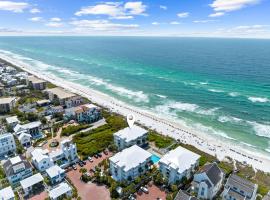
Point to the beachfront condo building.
(178, 164)
(7, 104)
(36, 83)
(130, 136)
(17, 169)
(129, 163)
(7, 144)
(208, 181)
(239, 188)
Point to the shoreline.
(202, 141)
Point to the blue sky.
(206, 18)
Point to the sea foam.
(258, 99)
(262, 130)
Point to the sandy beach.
(171, 128)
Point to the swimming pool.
(155, 158)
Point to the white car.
(145, 190)
(90, 159)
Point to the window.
(202, 192)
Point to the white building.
(17, 169)
(41, 160)
(36, 83)
(12, 121)
(7, 144)
(25, 139)
(208, 181)
(178, 163)
(62, 190)
(7, 104)
(129, 163)
(28, 183)
(56, 174)
(32, 128)
(130, 136)
(7, 194)
(239, 188)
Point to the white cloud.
(115, 10)
(203, 21)
(101, 25)
(16, 7)
(35, 10)
(174, 23)
(231, 5)
(217, 14)
(183, 14)
(35, 19)
(163, 7)
(55, 19)
(54, 24)
(155, 23)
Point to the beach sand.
(204, 142)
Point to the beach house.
(56, 174)
(36, 83)
(12, 121)
(130, 136)
(178, 164)
(32, 128)
(7, 194)
(17, 169)
(61, 191)
(239, 188)
(7, 144)
(129, 163)
(25, 139)
(32, 183)
(84, 113)
(208, 181)
(7, 104)
(181, 195)
(41, 159)
(63, 97)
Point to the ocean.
(220, 87)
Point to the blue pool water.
(155, 158)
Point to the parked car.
(145, 190)
(81, 164)
(90, 159)
(131, 197)
(84, 162)
(74, 167)
(92, 170)
(99, 155)
(96, 156)
(106, 152)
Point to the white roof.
(90, 106)
(31, 125)
(61, 189)
(38, 155)
(54, 171)
(32, 180)
(23, 134)
(130, 157)
(60, 93)
(6, 100)
(12, 119)
(6, 193)
(5, 135)
(128, 134)
(180, 159)
(15, 160)
(56, 153)
(34, 79)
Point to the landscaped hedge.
(160, 141)
(69, 130)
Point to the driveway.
(154, 193)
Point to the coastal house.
(7, 144)
(25, 139)
(7, 104)
(208, 181)
(52, 110)
(56, 174)
(61, 191)
(63, 97)
(65, 155)
(32, 128)
(7, 194)
(41, 159)
(36, 83)
(129, 163)
(32, 183)
(43, 102)
(17, 169)
(178, 164)
(12, 121)
(130, 136)
(239, 188)
(181, 195)
(84, 113)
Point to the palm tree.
(83, 170)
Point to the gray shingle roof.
(241, 184)
(213, 172)
(181, 195)
(8, 166)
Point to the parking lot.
(89, 190)
(42, 195)
(154, 193)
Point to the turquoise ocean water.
(218, 86)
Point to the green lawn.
(160, 141)
(69, 130)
